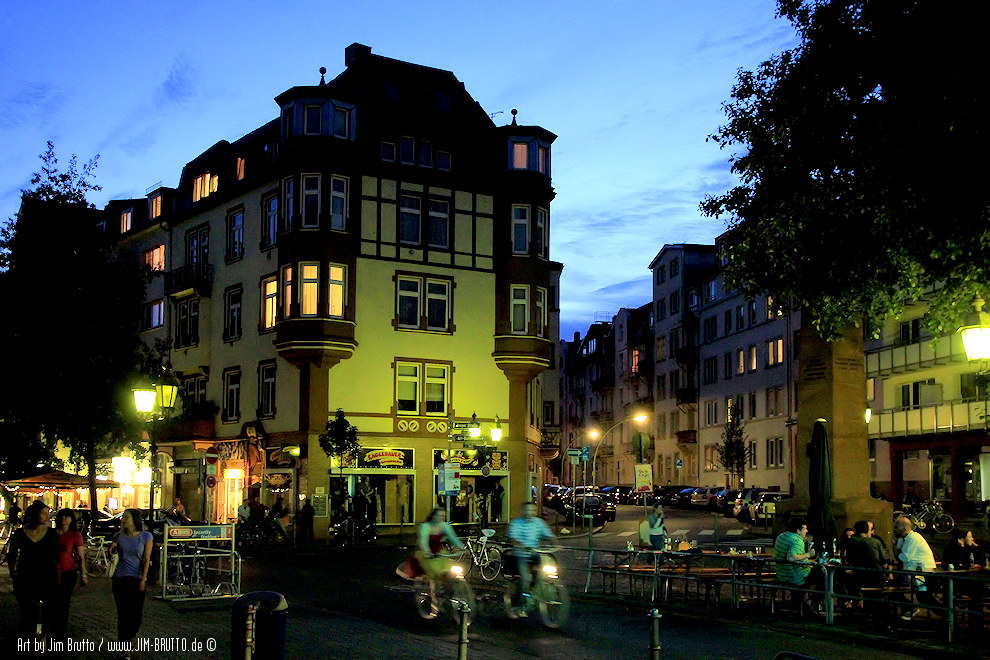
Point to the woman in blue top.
(130, 580)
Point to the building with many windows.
(380, 247)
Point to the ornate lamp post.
(145, 400)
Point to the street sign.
(211, 469)
(212, 455)
(465, 425)
(644, 478)
(211, 481)
(574, 452)
(181, 469)
(585, 454)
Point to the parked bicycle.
(346, 528)
(486, 558)
(187, 574)
(446, 594)
(925, 513)
(97, 558)
(547, 591)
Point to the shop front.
(380, 483)
(484, 489)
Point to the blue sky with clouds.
(631, 88)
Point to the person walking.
(130, 581)
(306, 515)
(658, 533)
(71, 563)
(497, 493)
(13, 519)
(33, 561)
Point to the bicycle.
(547, 592)
(97, 559)
(929, 512)
(187, 575)
(447, 594)
(487, 558)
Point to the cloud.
(178, 87)
(31, 105)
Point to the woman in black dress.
(33, 561)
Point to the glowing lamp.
(976, 332)
(142, 476)
(640, 418)
(496, 433)
(166, 395)
(144, 401)
(868, 415)
(234, 473)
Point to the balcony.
(900, 358)
(686, 354)
(946, 417)
(686, 395)
(687, 437)
(186, 280)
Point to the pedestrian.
(13, 518)
(658, 533)
(306, 515)
(33, 561)
(497, 495)
(130, 581)
(71, 563)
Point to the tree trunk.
(91, 476)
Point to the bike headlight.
(550, 570)
(456, 570)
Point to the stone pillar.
(519, 447)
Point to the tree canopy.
(862, 163)
(339, 440)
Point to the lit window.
(311, 200)
(154, 206)
(409, 219)
(539, 301)
(337, 291)
(438, 224)
(269, 304)
(541, 232)
(205, 185)
(752, 358)
(125, 221)
(240, 169)
(341, 122)
(154, 315)
(232, 314)
(309, 282)
(235, 235)
(520, 309)
(544, 160)
(289, 195)
(338, 202)
(775, 351)
(270, 226)
(740, 361)
(266, 390)
(520, 155)
(231, 395)
(286, 291)
(520, 229)
(407, 388)
(154, 259)
(311, 119)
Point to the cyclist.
(432, 534)
(526, 532)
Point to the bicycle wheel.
(459, 591)
(943, 523)
(490, 564)
(96, 564)
(555, 604)
(423, 599)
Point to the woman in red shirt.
(71, 560)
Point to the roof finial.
(323, 72)
(514, 113)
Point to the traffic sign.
(211, 481)
(574, 452)
(585, 454)
(212, 455)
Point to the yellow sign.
(644, 478)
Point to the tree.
(339, 440)
(72, 339)
(733, 454)
(863, 172)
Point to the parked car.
(726, 501)
(705, 496)
(645, 498)
(592, 505)
(747, 497)
(552, 496)
(108, 527)
(757, 510)
(667, 495)
(622, 494)
(683, 499)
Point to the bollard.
(462, 637)
(249, 633)
(655, 634)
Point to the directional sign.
(574, 451)
(465, 425)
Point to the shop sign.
(472, 459)
(200, 532)
(276, 457)
(396, 459)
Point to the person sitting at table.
(914, 553)
(794, 563)
(865, 551)
(962, 552)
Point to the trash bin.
(269, 625)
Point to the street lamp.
(144, 402)
(976, 342)
(640, 418)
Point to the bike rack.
(213, 545)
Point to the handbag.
(114, 560)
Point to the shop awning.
(57, 480)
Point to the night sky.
(632, 89)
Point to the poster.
(644, 478)
(320, 503)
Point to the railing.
(196, 277)
(685, 395)
(687, 437)
(946, 417)
(913, 356)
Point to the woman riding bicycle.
(432, 534)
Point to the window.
(443, 160)
(520, 229)
(289, 195)
(751, 311)
(775, 351)
(711, 458)
(424, 153)
(675, 267)
(409, 293)
(775, 401)
(770, 311)
(194, 388)
(410, 310)
(407, 149)
(266, 389)
(288, 124)
(919, 393)
(231, 394)
(286, 291)
(752, 405)
(338, 202)
(740, 362)
(661, 348)
(709, 291)
(730, 411)
(235, 235)
(540, 303)
(775, 452)
(542, 241)
(154, 206)
(125, 220)
(662, 386)
(543, 160)
(409, 219)
(311, 120)
(439, 224)
(910, 331)
(437, 305)
(198, 248)
(187, 323)
(692, 299)
(739, 317)
(710, 370)
(240, 169)
(751, 451)
(388, 151)
(337, 289)
(309, 284)
(710, 328)
(752, 358)
(727, 321)
(269, 303)
(520, 155)
(407, 388)
(341, 122)
(727, 371)
(661, 309)
(154, 259)
(154, 315)
(232, 313)
(270, 223)
(871, 387)
(520, 309)
(675, 302)
(311, 200)
(204, 185)
(435, 389)
(711, 412)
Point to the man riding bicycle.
(526, 533)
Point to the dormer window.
(530, 154)
(205, 185)
(311, 124)
(520, 155)
(341, 122)
(154, 206)
(125, 221)
(240, 168)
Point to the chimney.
(355, 51)
(577, 337)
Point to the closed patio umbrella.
(820, 521)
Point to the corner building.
(382, 248)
